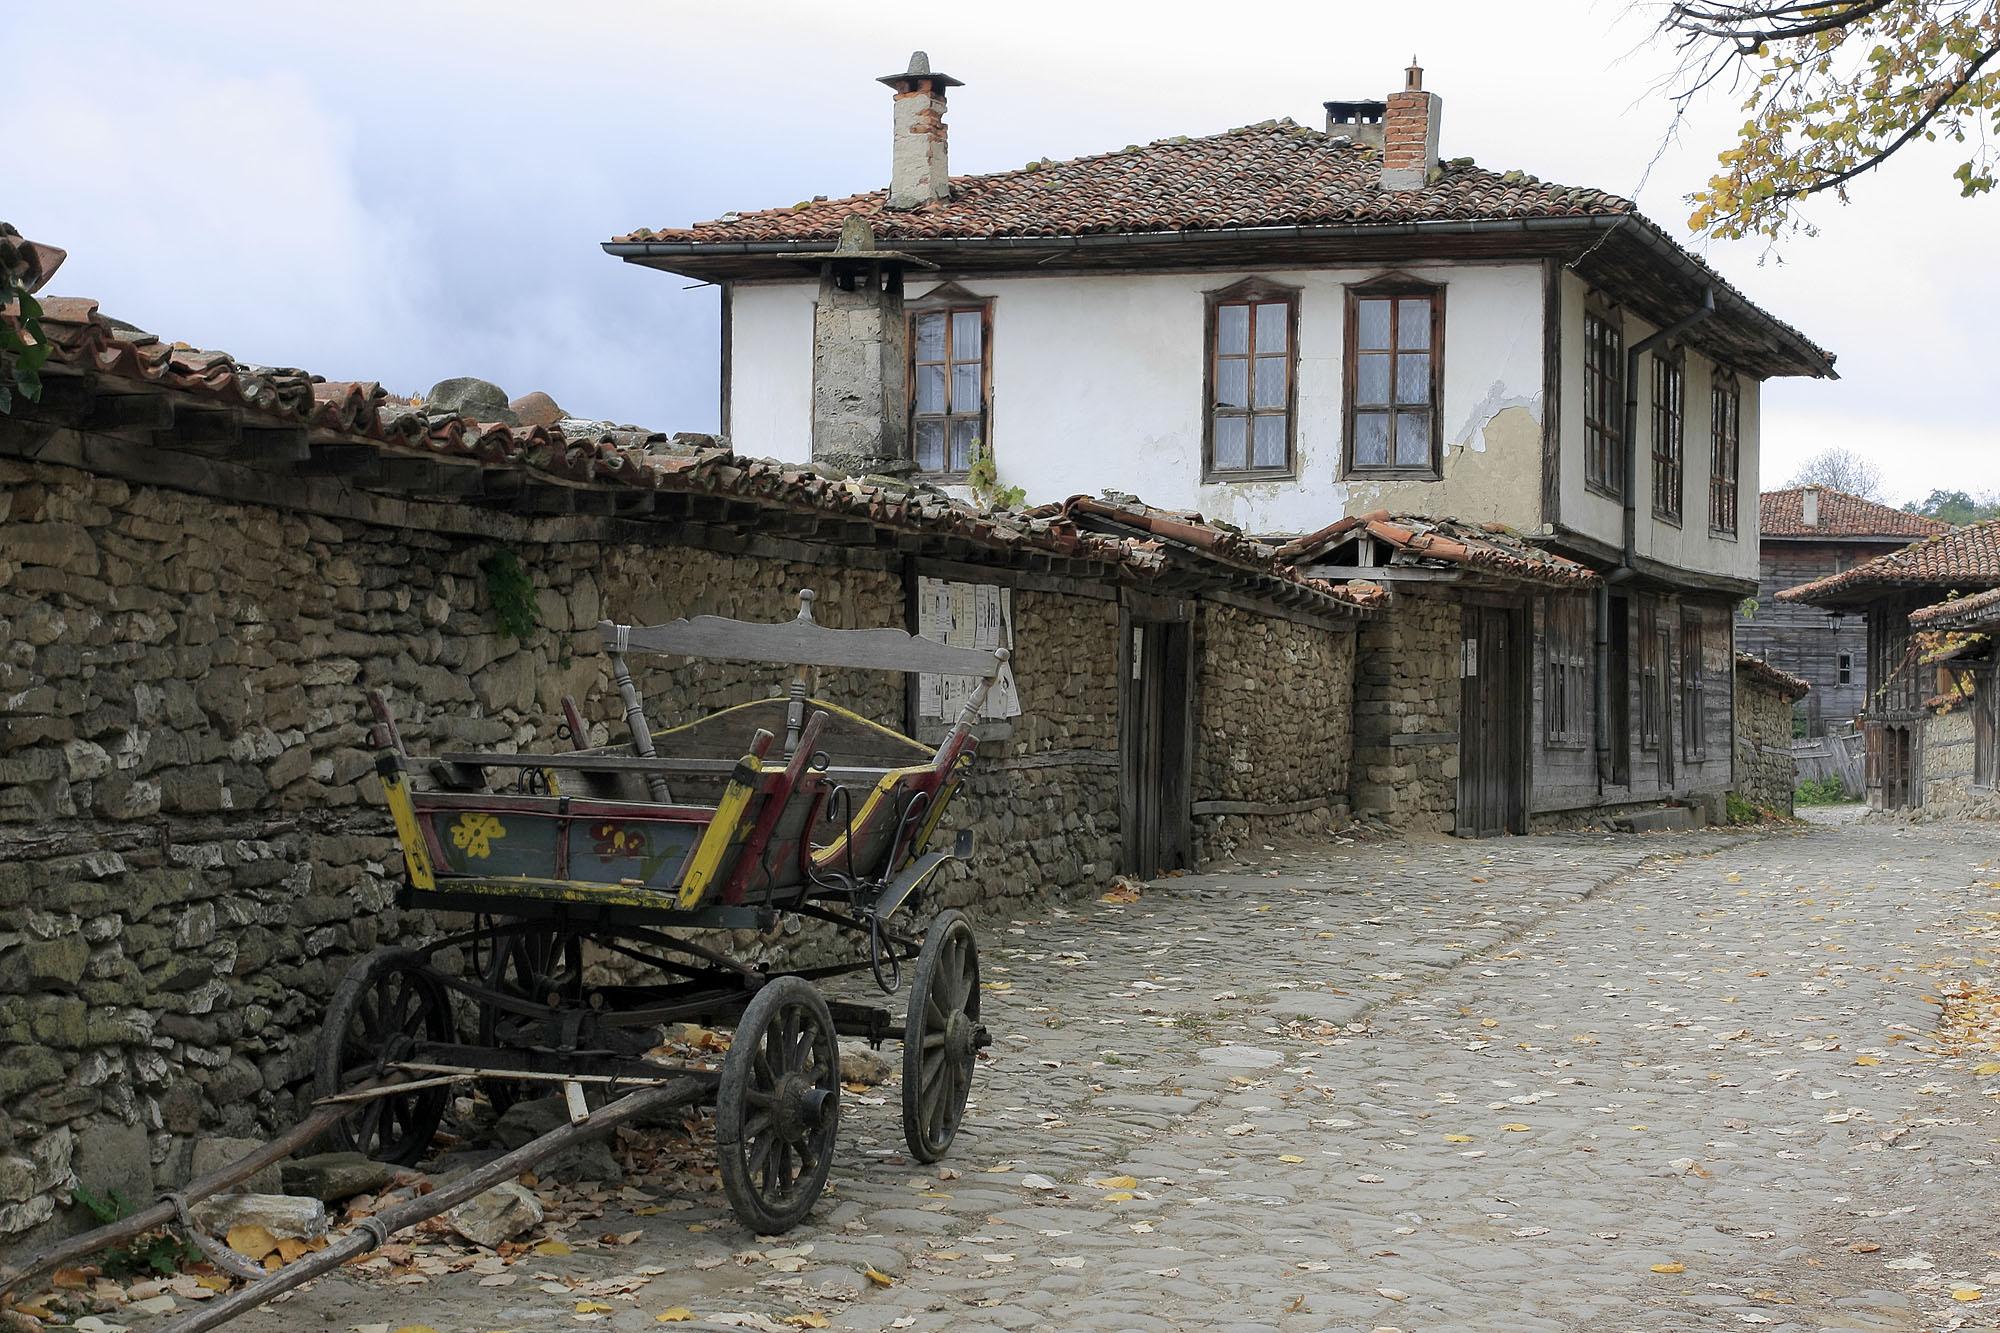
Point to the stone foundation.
(1764, 775)
(1406, 686)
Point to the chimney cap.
(1356, 111)
(1413, 77)
(919, 72)
(857, 247)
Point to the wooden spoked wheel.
(941, 1036)
(778, 1106)
(539, 964)
(386, 1004)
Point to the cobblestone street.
(1554, 1083)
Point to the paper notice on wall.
(965, 615)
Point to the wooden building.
(1807, 533)
(1904, 670)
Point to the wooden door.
(1618, 691)
(1492, 706)
(1156, 719)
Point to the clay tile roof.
(1782, 514)
(1274, 174)
(1784, 682)
(1959, 559)
(1981, 611)
(1418, 539)
(601, 454)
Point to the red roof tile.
(1274, 174)
(1792, 687)
(1961, 559)
(598, 454)
(1782, 514)
(1419, 539)
(1981, 611)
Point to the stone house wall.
(1406, 685)
(1763, 743)
(1948, 768)
(192, 846)
(1274, 741)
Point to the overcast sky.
(409, 191)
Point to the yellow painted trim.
(396, 787)
(946, 790)
(724, 831)
(884, 790)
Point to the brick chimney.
(919, 170)
(1410, 133)
(1809, 507)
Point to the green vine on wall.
(984, 479)
(512, 593)
(23, 348)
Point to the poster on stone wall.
(965, 615)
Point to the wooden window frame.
(1392, 287)
(1250, 292)
(949, 300)
(1669, 435)
(1725, 444)
(1566, 672)
(1604, 400)
(1652, 678)
(1843, 668)
(1694, 686)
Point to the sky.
(411, 191)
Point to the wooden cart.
(783, 808)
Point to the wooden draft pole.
(617, 640)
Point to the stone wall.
(1763, 743)
(1948, 752)
(1274, 741)
(192, 848)
(1406, 685)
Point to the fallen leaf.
(1116, 1183)
(679, 1314)
(1966, 1293)
(552, 1249)
(1670, 1268)
(1516, 1128)
(806, 1320)
(880, 1279)
(592, 1307)
(1867, 1060)
(1290, 1157)
(252, 1242)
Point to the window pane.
(1232, 329)
(930, 336)
(965, 335)
(1371, 439)
(930, 389)
(1371, 378)
(930, 446)
(1273, 317)
(964, 431)
(964, 387)
(1232, 381)
(1270, 386)
(1413, 378)
(1413, 323)
(1371, 324)
(1268, 440)
(1229, 443)
(1413, 439)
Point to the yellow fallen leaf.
(1670, 1268)
(592, 1307)
(650, 1210)
(1290, 1157)
(1966, 1293)
(1516, 1128)
(806, 1320)
(1489, 1022)
(1118, 1196)
(553, 1249)
(679, 1314)
(416, 1328)
(1458, 1138)
(213, 1281)
(1116, 1183)
(253, 1242)
(1866, 1060)
(880, 1279)
(1990, 1067)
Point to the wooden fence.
(1838, 755)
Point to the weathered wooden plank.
(800, 642)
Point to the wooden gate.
(1893, 774)
(1493, 706)
(1156, 738)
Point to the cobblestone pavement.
(1682, 1082)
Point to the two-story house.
(1807, 533)
(1278, 326)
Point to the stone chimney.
(860, 357)
(1410, 133)
(1360, 121)
(1809, 507)
(919, 170)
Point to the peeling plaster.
(1472, 434)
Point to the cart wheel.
(533, 964)
(778, 1106)
(941, 1036)
(385, 1005)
